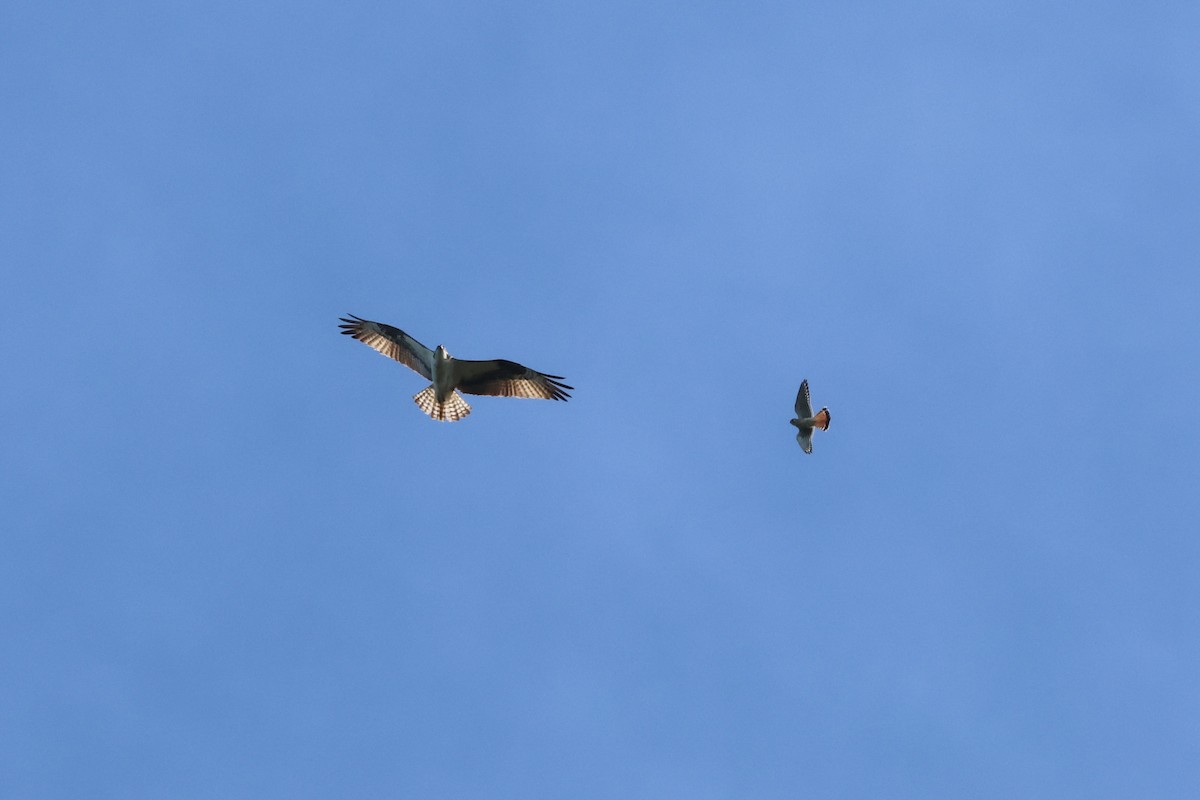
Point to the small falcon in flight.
(439, 399)
(806, 420)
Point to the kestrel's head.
(441, 354)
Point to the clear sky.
(239, 562)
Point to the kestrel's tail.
(821, 419)
(452, 410)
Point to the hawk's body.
(440, 399)
(806, 421)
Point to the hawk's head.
(441, 354)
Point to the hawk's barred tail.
(821, 419)
(454, 409)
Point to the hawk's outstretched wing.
(392, 342)
(803, 404)
(508, 379)
(804, 437)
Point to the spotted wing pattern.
(803, 403)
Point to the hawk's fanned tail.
(821, 419)
(454, 409)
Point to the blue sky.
(239, 562)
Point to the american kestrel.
(805, 420)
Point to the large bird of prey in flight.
(440, 399)
(806, 420)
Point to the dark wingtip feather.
(557, 388)
(350, 326)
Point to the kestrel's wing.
(508, 379)
(392, 342)
(804, 437)
(803, 404)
